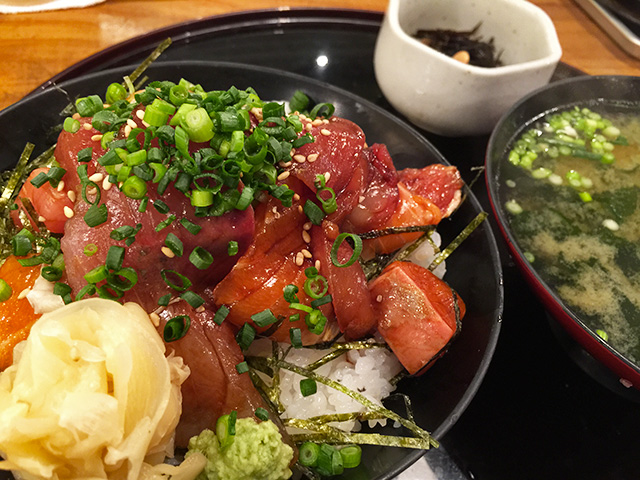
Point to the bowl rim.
(551, 35)
(553, 304)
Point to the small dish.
(446, 96)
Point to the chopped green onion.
(21, 245)
(295, 335)
(159, 171)
(221, 314)
(143, 205)
(39, 180)
(290, 293)
(71, 125)
(308, 454)
(96, 215)
(134, 187)
(178, 95)
(64, 291)
(308, 386)
(329, 461)
(89, 106)
(232, 248)
(264, 318)
(299, 102)
(198, 125)
(357, 249)
(226, 429)
(242, 367)
(193, 299)
(165, 223)
(191, 227)
(167, 275)
(245, 336)
(123, 280)
(89, 289)
(115, 92)
(201, 258)
(329, 205)
(351, 455)
(136, 158)
(96, 274)
(115, 257)
(122, 232)
(176, 328)
(322, 110)
(174, 244)
(85, 155)
(316, 287)
(313, 212)
(90, 249)
(164, 300)
(201, 198)
(321, 301)
(5, 290)
(262, 414)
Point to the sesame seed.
(257, 112)
(68, 212)
(140, 114)
(167, 252)
(131, 123)
(87, 126)
(284, 175)
(76, 116)
(274, 209)
(60, 186)
(611, 224)
(299, 259)
(155, 319)
(302, 116)
(96, 177)
(306, 253)
(72, 195)
(24, 293)
(292, 152)
(146, 125)
(305, 236)
(92, 191)
(325, 132)
(127, 131)
(327, 176)
(308, 127)
(317, 264)
(42, 219)
(97, 137)
(312, 157)
(296, 197)
(200, 309)
(300, 209)
(361, 198)
(106, 184)
(379, 298)
(300, 158)
(316, 122)
(307, 226)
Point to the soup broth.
(571, 188)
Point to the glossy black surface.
(440, 396)
(537, 414)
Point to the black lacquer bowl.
(591, 92)
(441, 395)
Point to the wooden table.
(36, 46)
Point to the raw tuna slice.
(418, 314)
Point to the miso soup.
(571, 188)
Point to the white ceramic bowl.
(445, 96)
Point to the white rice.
(367, 371)
(425, 253)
